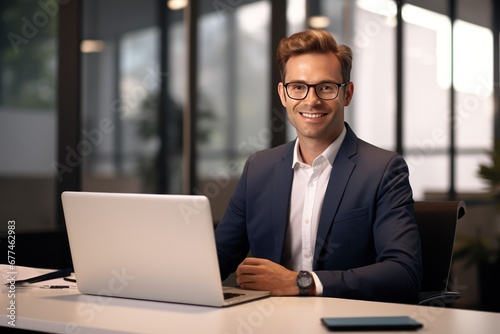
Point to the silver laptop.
(152, 247)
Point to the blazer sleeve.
(396, 273)
(256, 217)
(231, 233)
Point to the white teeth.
(313, 115)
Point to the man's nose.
(312, 95)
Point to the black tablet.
(396, 323)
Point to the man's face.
(303, 114)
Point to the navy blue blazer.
(368, 244)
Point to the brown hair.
(313, 41)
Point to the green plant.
(479, 249)
(484, 247)
(491, 172)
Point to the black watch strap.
(304, 282)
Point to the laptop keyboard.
(229, 295)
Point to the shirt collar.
(329, 154)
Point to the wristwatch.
(304, 282)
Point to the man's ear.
(349, 91)
(282, 94)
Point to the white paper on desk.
(7, 273)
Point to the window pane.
(372, 113)
(467, 168)
(120, 88)
(139, 80)
(295, 16)
(233, 100)
(473, 80)
(28, 122)
(428, 174)
(175, 76)
(427, 67)
(473, 75)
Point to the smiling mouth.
(315, 115)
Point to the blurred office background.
(171, 96)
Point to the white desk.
(67, 311)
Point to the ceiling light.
(177, 4)
(319, 22)
(92, 45)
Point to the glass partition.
(28, 119)
(120, 89)
(233, 96)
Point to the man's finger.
(254, 261)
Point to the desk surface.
(68, 311)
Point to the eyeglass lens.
(299, 91)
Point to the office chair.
(437, 221)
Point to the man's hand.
(261, 274)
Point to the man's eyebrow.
(319, 82)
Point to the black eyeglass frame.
(339, 86)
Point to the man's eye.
(297, 87)
(326, 88)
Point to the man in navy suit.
(327, 214)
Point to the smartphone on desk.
(394, 323)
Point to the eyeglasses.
(324, 90)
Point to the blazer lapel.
(342, 169)
(282, 188)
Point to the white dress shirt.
(308, 191)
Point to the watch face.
(304, 281)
